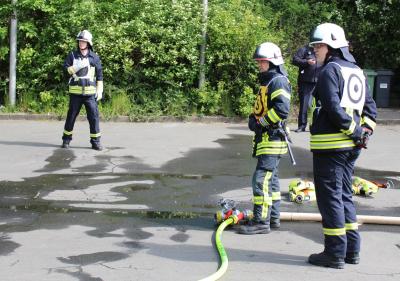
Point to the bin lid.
(369, 72)
(385, 72)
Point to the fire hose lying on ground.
(231, 215)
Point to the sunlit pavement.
(142, 209)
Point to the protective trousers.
(75, 104)
(305, 94)
(332, 176)
(266, 190)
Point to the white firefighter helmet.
(86, 36)
(269, 52)
(330, 34)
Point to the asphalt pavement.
(142, 209)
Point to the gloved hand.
(99, 90)
(362, 141)
(80, 63)
(252, 123)
(99, 95)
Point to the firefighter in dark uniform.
(85, 88)
(306, 81)
(343, 120)
(267, 120)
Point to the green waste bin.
(371, 74)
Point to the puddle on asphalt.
(181, 188)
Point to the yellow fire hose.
(285, 216)
(221, 250)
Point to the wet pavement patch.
(6, 245)
(133, 245)
(86, 259)
(180, 237)
(183, 188)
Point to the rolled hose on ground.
(221, 250)
(286, 216)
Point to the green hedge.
(150, 49)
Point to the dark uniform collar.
(267, 75)
(342, 54)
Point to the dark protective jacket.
(84, 81)
(272, 106)
(307, 73)
(343, 106)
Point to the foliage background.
(150, 49)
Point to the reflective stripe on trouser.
(332, 177)
(75, 104)
(266, 188)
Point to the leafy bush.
(150, 49)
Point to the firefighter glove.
(99, 90)
(253, 123)
(362, 141)
(80, 63)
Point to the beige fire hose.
(285, 216)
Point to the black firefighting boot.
(275, 223)
(256, 225)
(65, 144)
(326, 260)
(352, 258)
(97, 146)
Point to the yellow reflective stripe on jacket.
(351, 226)
(86, 90)
(272, 144)
(280, 92)
(334, 231)
(270, 147)
(68, 133)
(95, 135)
(368, 121)
(351, 129)
(332, 145)
(273, 116)
(276, 195)
(271, 151)
(329, 137)
(330, 141)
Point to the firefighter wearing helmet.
(85, 88)
(270, 110)
(343, 120)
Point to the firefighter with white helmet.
(270, 110)
(343, 120)
(85, 88)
